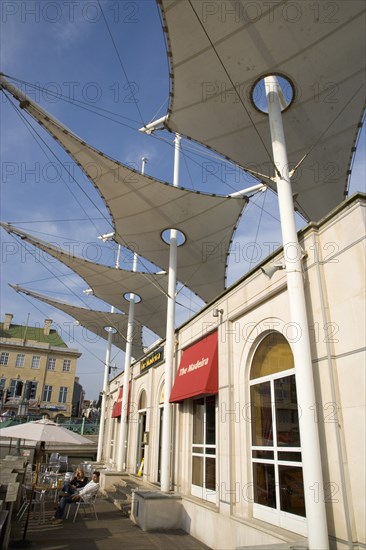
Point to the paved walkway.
(112, 531)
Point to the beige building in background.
(36, 356)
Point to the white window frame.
(66, 365)
(36, 362)
(19, 362)
(62, 394)
(51, 363)
(196, 490)
(47, 393)
(278, 517)
(4, 358)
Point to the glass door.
(204, 448)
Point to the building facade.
(77, 398)
(37, 369)
(236, 444)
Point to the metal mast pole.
(105, 380)
(169, 345)
(122, 450)
(310, 446)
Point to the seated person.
(85, 494)
(77, 482)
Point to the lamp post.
(111, 331)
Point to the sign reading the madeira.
(152, 360)
(194, 366)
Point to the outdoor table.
(51, 481)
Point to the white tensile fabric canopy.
(95, 321)
(111, 284)
(319, 47)
(44, 430)
(142, 208)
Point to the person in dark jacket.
(78, 482)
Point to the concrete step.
(120, 493)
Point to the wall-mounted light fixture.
(155, 125)
(216, 312)
(88, 291)
(107, 237)
(270, 270)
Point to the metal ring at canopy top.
(181, 237)
(280, 75)
(137, 297)
(110, 329)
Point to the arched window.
(142, 401)
(276, 453)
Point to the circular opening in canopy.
(129, 295)
(111, 329)
(258, 93)
(166, 236)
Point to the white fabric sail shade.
(319, 47)
(95, 321)
(113, 285)
(142, 208)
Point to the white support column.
(104, 396)
(169, 345)
(310, 446)
(106, 370)
(122, 448)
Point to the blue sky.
(65, 49)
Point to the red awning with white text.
(198, 370)
(117, 407)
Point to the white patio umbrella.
(40, 430)
(43, 430)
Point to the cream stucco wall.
(334, 275)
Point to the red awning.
(117, 407)
(198, 370)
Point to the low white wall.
(222, 532)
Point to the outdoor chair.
(84, 506)
(38, 501)
(50, 475)
(64, 463)
(54, 458)
(28, 475)
(51, 470)
(68, 476)
(88, 469)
